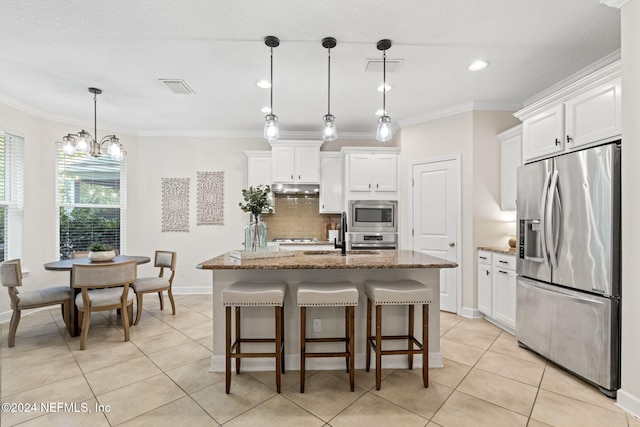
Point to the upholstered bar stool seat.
(398, 292)
(328, 294)
(253, 294)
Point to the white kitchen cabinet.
(484, 283)
(331, 173)
(510, 159)
(594, 115)
(295, 162)
(258, 168)
(543, 134)
(497, 288)
(373, 172)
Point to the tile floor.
(161, 378)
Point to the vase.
(255, 235)
(101, 256)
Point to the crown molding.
(614, 3)
(460, 108)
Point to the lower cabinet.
(497, 288)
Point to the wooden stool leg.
(425, 345)
(378, 346)
(367, 343)
(346, 336)
(411, 328)
(303, 338)
(351, 335)
(227, 354)
(238, 340)
(282, 317)
(278, 347)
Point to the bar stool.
(253, 294)
(398, 292)
(325, 294)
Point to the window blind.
(11, 196)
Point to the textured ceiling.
(52, 51)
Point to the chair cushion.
(317, 294)
(254, 293)
(44, 296)
(104, 297)
(397, 292)
(145, 284)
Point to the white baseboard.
(470, 312)
(193, 290)
(628, 402)
(292, 363)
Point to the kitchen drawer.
(504, 261)
(484, 257)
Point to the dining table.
(67, 265)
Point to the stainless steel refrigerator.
(568, 262)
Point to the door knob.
(452, 244)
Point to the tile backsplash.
(296, 216)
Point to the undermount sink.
(337, 253)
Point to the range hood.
(295, 188)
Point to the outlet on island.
(317, 325)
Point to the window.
(11, 195)
(91, 202)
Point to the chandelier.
(271, 131)
(329, 132)
(83, 142)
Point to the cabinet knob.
(557, 141)
(487, 272)
(569, 139)
(299, 177)
(377, 185)
(452, 244)
(369, 186)
(291, 176)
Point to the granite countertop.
(316, 243)
(331, 260)
(500, 250)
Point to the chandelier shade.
(83, 142)
(271, 131)
(329, 132)
(384, 134)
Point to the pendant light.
(383, 133)
(329, 132)
(83, 142)
(271, 132)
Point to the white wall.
(629, 395)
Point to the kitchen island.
(325, 266)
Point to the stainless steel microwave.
(373, 216)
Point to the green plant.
(257, 200)
(99, 247)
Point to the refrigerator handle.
(550, 233)
(543, 222)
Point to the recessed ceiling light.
(387, 88)
(263, 84)
(478, 65)
(266, 109)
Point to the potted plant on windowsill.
(101, 253)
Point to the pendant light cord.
(384, 82)
(95, 117)
(329, 84)
(271, 95)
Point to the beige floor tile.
(367, 380)
(34, 352)
(195, 376)
(33, 330)
(561, 382)
(181, 412)
(206, 342)
(182, 319)
(276, 412)
(535, 423)
(121, 374)
(407, 391)
(451, 375)
(481, 326)
(162, 341)
(246, 393)
(460, 353)
(138, 398)
(372, 410)
(150, 326)
(464, 410)
(174, 357)
(633, 421)
(268, 378)
(558, 410)
(448, 321)
(509, 347)
(82, 415)
(70, 390)
(511, 367)
(100, 356)
(16, 381)
(470, 337)
(199, 330)
(510, 394)
(325, 395)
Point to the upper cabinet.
(331, 182)
(510, 159)
(258, 168)
(586, 112)
(371, 173)
(295, 162)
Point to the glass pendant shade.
(329, 132)
(83, 141)
(383, 133)
(271, 131)
(68, 146)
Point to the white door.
(436, 220)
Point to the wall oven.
(373, 224)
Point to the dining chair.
(104, 287)
(144, 285)
(11, 276)
(79, 254)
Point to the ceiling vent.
(375, 65)
(177, 86)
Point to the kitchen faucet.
(343, 236)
